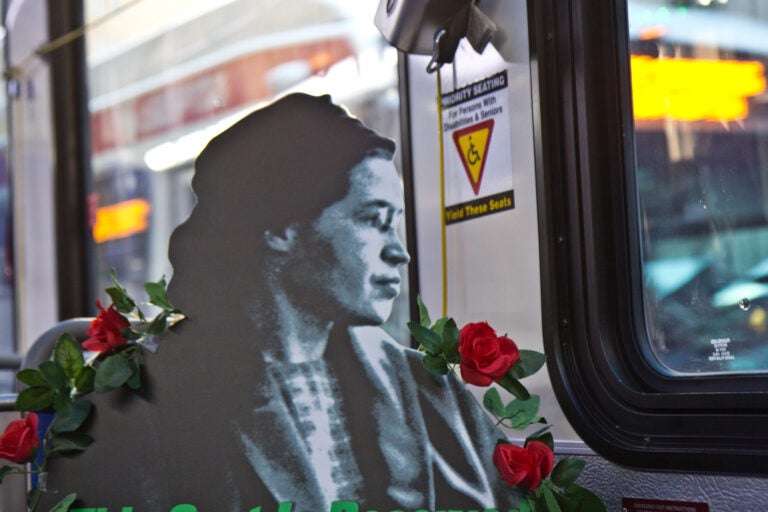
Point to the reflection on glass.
(701, 138)
(167, 75)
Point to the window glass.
(701, 137)
(7, 343)
(167, 75)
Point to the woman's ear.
(281, 240)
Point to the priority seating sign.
(478, 165)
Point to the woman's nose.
(395, 254)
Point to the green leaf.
(514, 386)
(450, 341)
(53, 374)
(84, 380)
(567, 504)
(68, 355)
(70, 418)
(112, 373)
(540, 502)
(134, 382)
(70, 442)
(123, 303)
(62, 400)
(521, 413)
(551, 501)
(435, 364)
(31, 377)
(157, 294)
(35, 398)
(567, 471)
(450, 333)
(453, 356)
(426, 338)
(63, 505)
(159, 324)
(440, 326)
(131, 334)
(588, 501)
(530, 362)
(530, 406)
(525, 506)
(4, 471)
(120, 298)
(492, 402)
(423, 313)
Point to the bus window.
(7, 343)
(699, 97)
(165, 76)
(654, 157)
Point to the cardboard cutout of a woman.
(280, 386)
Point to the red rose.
(543, 459)
(525, 467)
(19, 441)
(485, 357)
(106, 330)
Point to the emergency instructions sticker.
(720, 351)
(478, 161)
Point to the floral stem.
(34, 502)
(19, 472)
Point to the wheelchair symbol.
(473, 156)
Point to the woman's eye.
(381, 219)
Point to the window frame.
(623, 406)
(71, 132)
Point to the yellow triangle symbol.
(472, 144)
(472, 148)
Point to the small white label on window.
(721, 352)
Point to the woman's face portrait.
(347, 260)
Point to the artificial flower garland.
(116, 339)
(484, 358)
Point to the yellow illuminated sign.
(121, 220)
(694, 89)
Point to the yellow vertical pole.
(442, 194)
